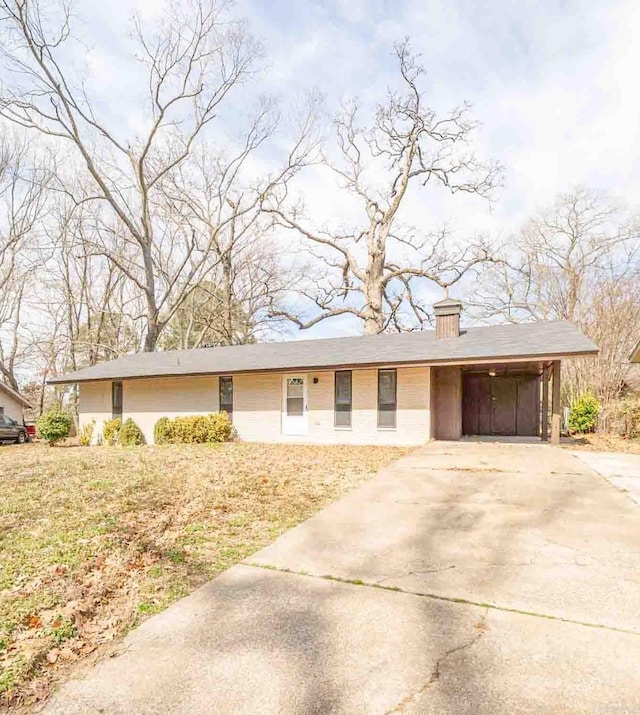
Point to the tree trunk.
(153, 333)
(228, 298)
(153, 324)
(373, 312)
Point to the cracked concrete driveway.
(466, 578)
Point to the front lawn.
(93, 540)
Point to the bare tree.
(88, 291)
(372, 267)
(577, 260)
(613, 323)
(23, 184)
(191, 61)
(247, 278)
(235, 306)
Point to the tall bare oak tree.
(370, 269)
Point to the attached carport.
(501, 386)
(506, 399)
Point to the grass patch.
(94, 540)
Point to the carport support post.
(555, 404)
(545, 404)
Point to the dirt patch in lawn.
(94, 540)
(603, 443)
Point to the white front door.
(295, 409)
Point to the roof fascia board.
(342, 366)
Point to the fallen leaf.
(34, 622)
(40, 689)
(68, 654)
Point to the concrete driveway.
(466, 578)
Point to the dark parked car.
(11, 431)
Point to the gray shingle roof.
(535, 340)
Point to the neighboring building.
(401, 388)
(12, 403)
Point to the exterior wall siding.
(257, 409)
(94, 404)
(146, 401)
(11, 408)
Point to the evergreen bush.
(86, 434)
(110, 430)
(162, 432)
(54, 425)
(194, 429)
(583, 414)
(130, 434)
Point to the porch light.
(492, 373)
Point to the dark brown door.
(504, 405)
(504, 398)
(477, 405)
(528, 405)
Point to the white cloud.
(555, 85)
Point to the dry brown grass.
(603, 443)
(93, 540)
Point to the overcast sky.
(553, 83)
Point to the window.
(342, 399)
(295, 397)
(116, 400)
(226, 396)
(1, 410)
(387, 403)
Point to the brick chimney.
(447, 318)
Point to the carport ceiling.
(503, 368)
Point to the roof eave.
(68, 380)
(16, 395)
(635, 354)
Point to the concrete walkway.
(622, 470)
(467, 578)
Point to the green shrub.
(130, 434)
(190, 430)
(194, 429)
(86, 434)
(162, 432)
(583, 414)
(110, 430)
(220, 427)
(54, 425)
